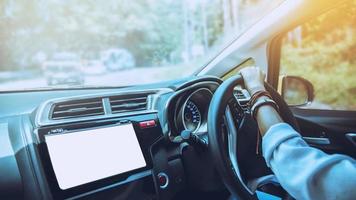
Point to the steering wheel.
(230, 130)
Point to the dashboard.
(88, 143)
(114, 143)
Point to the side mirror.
(297, 91)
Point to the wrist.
(257, 88)
(260, 102)
(259, 92)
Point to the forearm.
(304, 171)
(266, 117)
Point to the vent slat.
(81, 109)
(81, 115)
(127, 110)
(78, 104)
(129, 105)
(78, 108)
(113, 101)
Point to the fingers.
(253, 78)
(252, 71)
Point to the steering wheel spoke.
(232, 145)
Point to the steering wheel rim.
(219, 113)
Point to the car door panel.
(322, 125)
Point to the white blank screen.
(90, 155)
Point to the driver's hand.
(253, 78)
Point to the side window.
(323, 51)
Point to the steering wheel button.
(162, 180)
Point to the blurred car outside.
(117, 59)
(64, 68)
(93, 67)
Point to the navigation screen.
(86, 156)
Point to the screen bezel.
(57, 192)
(113, 135)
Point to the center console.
(82, 157)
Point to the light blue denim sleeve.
(306, 172)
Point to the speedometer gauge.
(191, 116)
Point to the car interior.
(191, 137)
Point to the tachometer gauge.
(191, 116)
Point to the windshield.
(77, 43)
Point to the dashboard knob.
(162, 180)
(185, 134)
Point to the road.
(120, 78)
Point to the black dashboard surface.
(23, 176)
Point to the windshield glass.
(71, 43)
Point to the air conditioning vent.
(243, 98)
(128, 103)
(78, 108)
(239, 95)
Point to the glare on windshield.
(62, 43)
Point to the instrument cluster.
(190, 112)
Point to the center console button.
(147, 124)
(162, 180)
